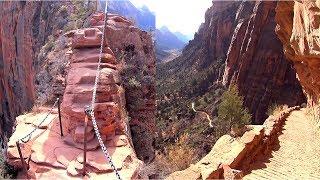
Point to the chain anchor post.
(23, 163)
(86, 112)
(59, 112)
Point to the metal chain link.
(29, 135)
(91, 111)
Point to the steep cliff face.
(134, 49)
(24, 27)
(256, 63)
(298, 29)
(238, 39)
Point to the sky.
(184, 16)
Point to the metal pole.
(86, 111)
(61, 132)
(22, 160)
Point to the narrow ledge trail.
(296, 155)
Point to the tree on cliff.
(231, 113)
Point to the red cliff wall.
(24, 27)
(256, 64)
(298, 29)
(240, 38)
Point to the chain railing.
(27, 138)
(90, 111)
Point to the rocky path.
(295, 156)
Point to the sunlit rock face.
(240, 37)
(298, 29)
(254, 59)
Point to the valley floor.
(295, 156)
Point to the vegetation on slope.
(231, 113)
(6, 171)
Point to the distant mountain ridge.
(142, 17)
(182, 37)
(167, 43)
(166, 40)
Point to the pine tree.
(231, 113)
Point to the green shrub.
(6, 171)
(231, 113)
(274, 109)
(76, 19)
(63, 11)
(50, 43)
(133, 83)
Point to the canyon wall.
(298, 29)
(24, 28)
(256, 64)
(238, 43)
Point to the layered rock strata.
(298, 29)
(256, 64)
(237, 43)
(134, 50)
(50, 155)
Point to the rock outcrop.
(236, 153)
(49, 154)
(298, 29)
(24, 28)
(134, 50)
(256, 64)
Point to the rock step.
(86, 37)
(86, 75)
(109, 89)
(84, 99)
(102, 110)
(92, 56)
(93, 65)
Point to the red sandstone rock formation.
(135, 52)
(52, 155)
(298, 30)
(110, 98)
(256, 63)
(240, 35)
(24, 28)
